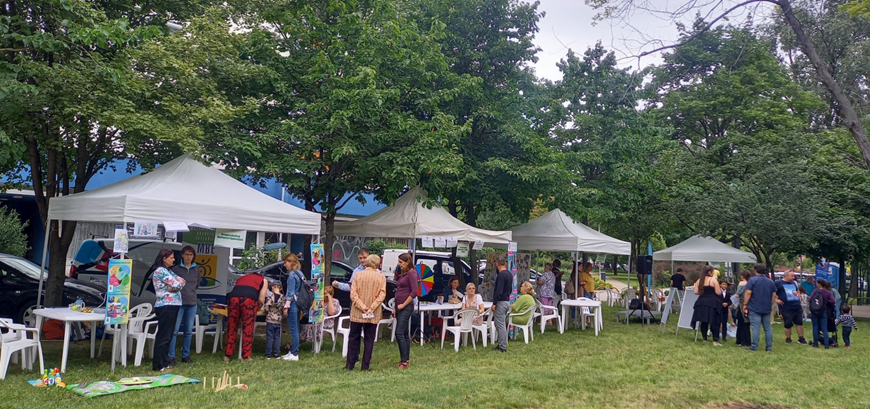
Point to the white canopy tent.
(184, 190)
(409, 219)
(556, 231)
(702, 248)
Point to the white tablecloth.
(425, 307)
(594, 306)
(68, 316)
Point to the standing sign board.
(315, 313)
(512, 267)
(213, 263)
(118, 291)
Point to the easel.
(667, 312)
(686, 319)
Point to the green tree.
(507, 163)
(83, 84)
(743, 169)
(609, 149)
(351, 103)
(12, 238)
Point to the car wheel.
(25, 314)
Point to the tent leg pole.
(44, 256)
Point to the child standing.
(805, 302)
(274, 308)
(845, 319)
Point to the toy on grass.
(224, 382)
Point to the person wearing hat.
(274, 309)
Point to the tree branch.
(707, 27)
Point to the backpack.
(304, 298)
(817, 303)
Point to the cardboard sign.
(462, 249)
(315, 313)
(234, 239)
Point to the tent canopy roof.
(409, 219)
(557, 231)
(702, 248)
(185, 190)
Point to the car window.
(26, 267)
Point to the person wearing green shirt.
(523, 304)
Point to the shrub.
(12, 238)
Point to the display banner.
(315, 313)
(118, 291)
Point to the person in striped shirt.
(848, 322)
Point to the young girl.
(274, 309)
(805, 302)
(845, 319)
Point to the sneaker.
(226, 358)
(166, 369)
(802, 341)
(172, 362)
(268, 356)
(248, 359)
(788, 340)
(768, 350)
(186, 360)
(847, 346)
(715, 343)
(815, 345)
(291, 357)
(499, 349)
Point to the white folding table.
(425, 307)
(593, 305)
(69, 316)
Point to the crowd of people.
(755, 300)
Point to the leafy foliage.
(12, 238)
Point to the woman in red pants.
(244, 301)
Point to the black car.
(19, 284)
(340, 272)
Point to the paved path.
(861, 311)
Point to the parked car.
(19, 285)
(91, 265)
(340, 272)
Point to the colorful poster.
(524, 267)
(118, 291)
(315, 313)
(215, 280)
(512, 267)
(489, 274)
(145, 229)
(122, 244)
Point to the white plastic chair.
(466, 322)
(341, 330)
(139, 330)
(613, 296)
(200, 332)
(485, 328)
(387, 310)
(17, 340)
(142, 310)
(527, 327)
(331, 331)
(547, 313)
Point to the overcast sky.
(568, 24)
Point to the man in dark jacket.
(501, 305)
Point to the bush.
(377, 246)
(602, 285)
(256, 257)
(12, 238)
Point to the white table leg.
(93, 337)
(565, 316)
(123, 341)
(66, 328)
(421, 328)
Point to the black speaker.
(644, 265)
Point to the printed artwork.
(118, 291)
(512, 267)
(524, 267)
(489, 275)
(145, 229)
(315, 313)
(122, 243)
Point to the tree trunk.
(472, 262)
(58, 247)
(842, 278)
(327, 244)
(848, 114)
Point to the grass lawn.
(624, 367)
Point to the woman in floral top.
(168, 287)
(309, 332)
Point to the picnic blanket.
(92, 389)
